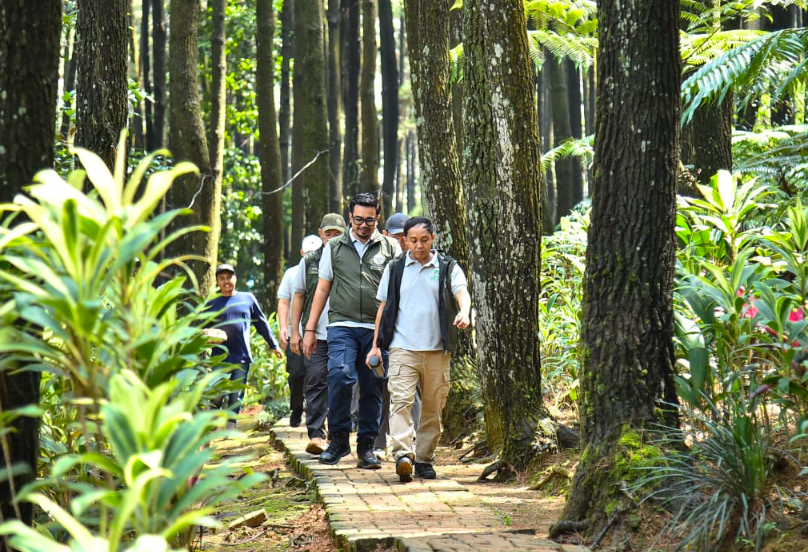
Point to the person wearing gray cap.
(316, 366)
(238, 310)
(294, 361)
(394, 227)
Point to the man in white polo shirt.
(424, 301)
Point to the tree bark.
(102, 90)
(334, 17)
(70, 84)
(543, 87)
(285, 111)
(627, 326)
(568, 178)
(310, 131)
(390, 104)
(501, 165)
(367, 96)
(145, 69)
(707, 140)
(411, 162)
(29, 72)
(159, 51)
(218, 96)
(574, 102)
(188, 143)
(269, 153)
(353, 63)
(137, 132)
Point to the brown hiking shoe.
(315, 446)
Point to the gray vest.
(312, 267)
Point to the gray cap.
(225, 268)
(395, 223)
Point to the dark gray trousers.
(317, 390)
(297, 379)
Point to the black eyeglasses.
(370, 221)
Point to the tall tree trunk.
(145, 70)
(353, 63)
(428, 36)
(501, 164)
(285, 110)
(137, 131)
(707, 140)
(188, 143)
(334, 17)
(102, 90)
(547, 191)
(310, 131)
(574, 101)
(390, 104)
(411, 161)
(159, 50)
(565, 169)
(627, 326)
(543, 91)
(367, 95)
(29, 72)
(269, 153)
(70, 83)
(218, 96)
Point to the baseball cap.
(395, 224)
(225, 268)
(333, 221)
(311, 243)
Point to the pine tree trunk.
(310, 131)
(546, 129)
(70, 84)
(285, 110)
(562, 130)
(29, 72)
(334, 18)
(353, 63)
(502, 171)
(188, 143)
(389, 103)
(411, 161)
(367, 96)
(707, 140)
(428, 36)
(102, 90)
(145, 69)
(627, 326)
(137, 133)
(576, 128)
(218, 95)
(159, 71)
(269, 153)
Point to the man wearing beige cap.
(316, 367)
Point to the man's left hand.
(461, 320)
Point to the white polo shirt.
(285, 292)
(299, 286)
(418, 322)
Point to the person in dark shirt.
(239, 310)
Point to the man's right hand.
(284, 335)
(309, 343)
(296, 343)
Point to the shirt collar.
(432, 262)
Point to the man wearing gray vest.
(350, 270)
(303, 287)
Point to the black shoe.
(339, 448)
(425, 471)
(404, 469)
(295, 418)
(367, 460)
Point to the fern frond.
(582, 148)
(763, 64)
(578, 49)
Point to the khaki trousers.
(407, 370)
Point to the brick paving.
(368, 508)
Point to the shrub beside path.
(368, 508)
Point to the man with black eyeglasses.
(350, 270)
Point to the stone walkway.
(367, 508)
